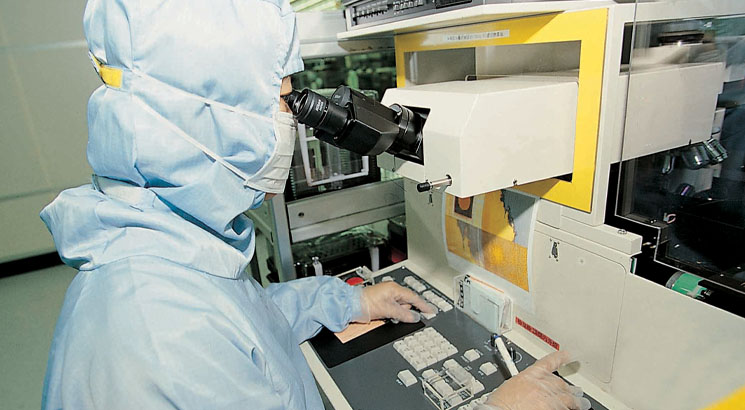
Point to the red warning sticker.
(537, 333)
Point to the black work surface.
(333, 352)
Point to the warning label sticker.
(537, 333)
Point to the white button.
(422, 358)
(429, 316)
(406, 352)
(471, 355)
(428, 374)
(406, 378)
(417, 364)
(399, 345)
(443, 388)
(461, 375)
(451, 350)
(440, 355)
(455, 400)
(445, 307)
(387, 279)
(442, 342)
(450, 364)
(488, 368)
(477, 387)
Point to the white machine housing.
(483, 134)
(639, 344)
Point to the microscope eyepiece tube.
(353, 121)
(316, 111)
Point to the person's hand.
(537, 388)
(389, 300)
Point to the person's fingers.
(576, 391)
(406, 296)
(584, 404)
(414, 316)
(404, 315)
(569, 401)
(432, 307)
(556, 384)
(553, 361)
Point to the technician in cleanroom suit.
(187, 134)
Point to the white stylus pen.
(505, 355)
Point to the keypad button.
(488, 368)
(477, 387)
(429, 374)
(407, 378)
(461, 375)
(471, 355)
(454, 400)
(450, 364)
(417, 364)
(451, 350)
(429, 316)
(443, 388)
(425, 348)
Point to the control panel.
(444, 362)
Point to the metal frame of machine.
(639, 344)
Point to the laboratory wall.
(45, 78)
(29, 307)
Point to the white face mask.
(271, 178)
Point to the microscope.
(357, 123)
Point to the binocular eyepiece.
(355, 122)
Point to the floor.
(29, 306)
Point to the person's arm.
(311, 303)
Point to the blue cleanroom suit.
(162, 313)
